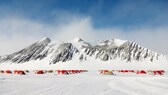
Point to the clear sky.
(23, 22)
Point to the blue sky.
(23, 22)
(104, 13)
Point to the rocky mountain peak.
(77, 39)
(77, 49)
(44, 40)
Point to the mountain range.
(81, 51)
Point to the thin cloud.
(18, 33)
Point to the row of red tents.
(150, 72)
(60, 71)
(19, 72)
(23, 72)
(70, 71)
(63, 72)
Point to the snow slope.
(83, 84)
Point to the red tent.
(77, 71)
(141, 72)
(39, 72)
(81, 70)
(124, 71)
(162, 71)
(103, 71)
(58, 71)
(131, 71)
(8, 72)
(19, 72)
(73, 71)
(158, 72)
(64, 72)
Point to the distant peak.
(116, 42)
(119, 40)
(44, 40)
(77, 39)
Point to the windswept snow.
(83, 84)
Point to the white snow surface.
(119, 42)
(76, 40)
(86, 65)
(89, 64)
(78, 43)
(116, 42)
(88, 83)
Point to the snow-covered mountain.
(81, 51)
(105, 51)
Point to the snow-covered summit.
(78, 43)
(113, 42)
(119, 42)
(44, 40)
(76, 40)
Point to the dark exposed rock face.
(128, 51)
(33, 52)
(62, 52)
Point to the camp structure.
(141, 72)
(8, 72)
(62, 72)
(19, 72)
(40, 72)
(66, 72)
(106, 72)
(156, 72)
(50, 71)
(124, 71)
(1, 71)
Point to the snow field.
(87, 83)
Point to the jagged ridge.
(62, 52)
